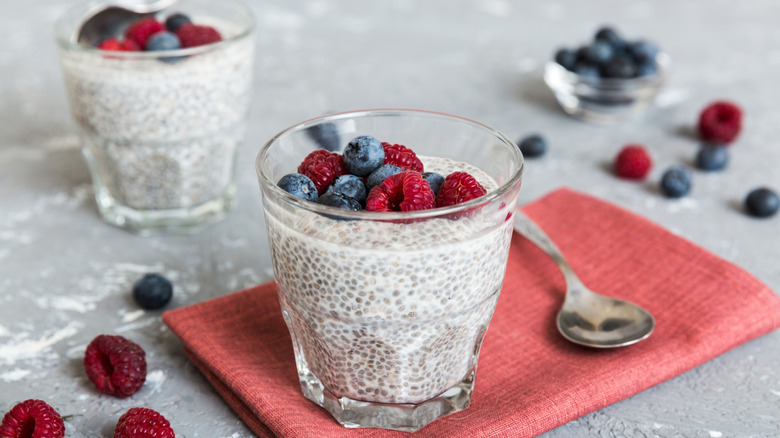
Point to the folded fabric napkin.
(529, 378)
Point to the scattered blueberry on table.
(676, 182)
(762, 202)
(533, 146)
(712, 157)
(152, 291)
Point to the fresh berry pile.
(115, 365)
(150, 34)
(609, 55)
(32, 419)
(376, 176)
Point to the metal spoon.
(108, 18)
(587, 318)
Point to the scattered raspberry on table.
(115, 365)
(32, 419)
(143, 423)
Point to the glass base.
(405, 417)
(171, 221)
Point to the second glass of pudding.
(160, 130)
(387, 311)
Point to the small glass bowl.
(605, 100)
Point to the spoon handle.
(528, 228)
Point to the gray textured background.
(65, 276)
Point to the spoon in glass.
(106, 18)
(588, 318)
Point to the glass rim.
(343, 214)
(66, 36)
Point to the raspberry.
(116, 365)
(192, 35)
(143, 423)
(720, 122)
(129, 46)
(406, 191)
(32, 419)
(140, 30)
(322, 167)
(401, 156)
(633, 162)
(110, 43)
(458, 187)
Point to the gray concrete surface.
(65, 276)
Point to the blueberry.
(326, 135)
(299, 185)
(434, 180)
(379, 175)
(363, 155)
(533, 146)
(599, 52)
(567, 58)
(349, 185)
(339, 200)
(643, 51)
(175, 21)
(676, 182)
(647, 68)
(163, 41)
(620, 67)
(152, 291)
(762, 202)
(609, 35)
(712, 157)
(587, 70)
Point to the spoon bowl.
(586, 317)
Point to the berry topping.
(326, 135)
(599, 52)
(363, 155)
(458, 187)
(322, 167)
(193, 35)
(401, 156)
(115, 365)
(633, 162)
(762, 202)
(380, 175)
(143, 423)
(109, 43)
(163, 41)
(676, 182)
(142, 29)
(533, 146)
(434, 180)
(152, 291)
(351, 186)
(720, 122)
(712, 157)
(643, 51)
(406, 191)
(299, 185)
(175, 21)
(32, 419)
(339, 200)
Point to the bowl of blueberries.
(609, 79)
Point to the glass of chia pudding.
(387, 309)
(160, 127)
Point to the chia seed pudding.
(390, 312)
(160, 130)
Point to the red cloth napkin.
(529, 378)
